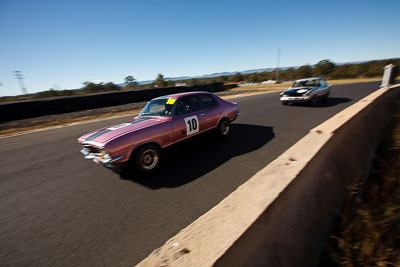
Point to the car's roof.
(309, 79)
(183, 94)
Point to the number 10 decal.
(192, 125)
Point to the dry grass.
(357, 80)
(372, 236)
(265, 87)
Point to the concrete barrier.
(282, 215)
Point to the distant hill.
(212, 75)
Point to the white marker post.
(387, 75)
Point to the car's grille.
(294, 94)
(92, 149)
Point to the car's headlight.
(104, 153)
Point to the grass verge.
(371, 237)
(358, 80)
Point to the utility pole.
(278, 58)
(20, 78)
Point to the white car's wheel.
(314, 101)
(326, 96)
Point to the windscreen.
(306, 83)
(158, 107)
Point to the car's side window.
(207, 101)
(187, 105)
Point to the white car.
(309, 90)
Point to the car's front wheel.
(223, 127)
(314, 101)
(148, 158)
(326, 96)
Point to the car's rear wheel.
(148, 158)
(284, 102)
(223, 127)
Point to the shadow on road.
(333, 101)
(330, 102)
(191, 159)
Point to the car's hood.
(298, 90)
(103, 135)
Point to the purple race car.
(164, 121)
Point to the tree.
(344, 71)
(254, 78)
(304, 71)
(92, 87)
(289, 74)
(222, 78)
(323, 68)
(237, 77)
(111, 87)
(192, 81)
(129, 80)
(265, 75)
(160, 82)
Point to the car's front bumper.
(295, 98)
(100, 158)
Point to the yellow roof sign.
(171, 101)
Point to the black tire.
(147, 158)
(314, 101)
(223, 127)
(326, 96)
(284, 103)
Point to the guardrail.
(282, 215)
(41, 107)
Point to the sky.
(61, 44)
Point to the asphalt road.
(57, 209)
